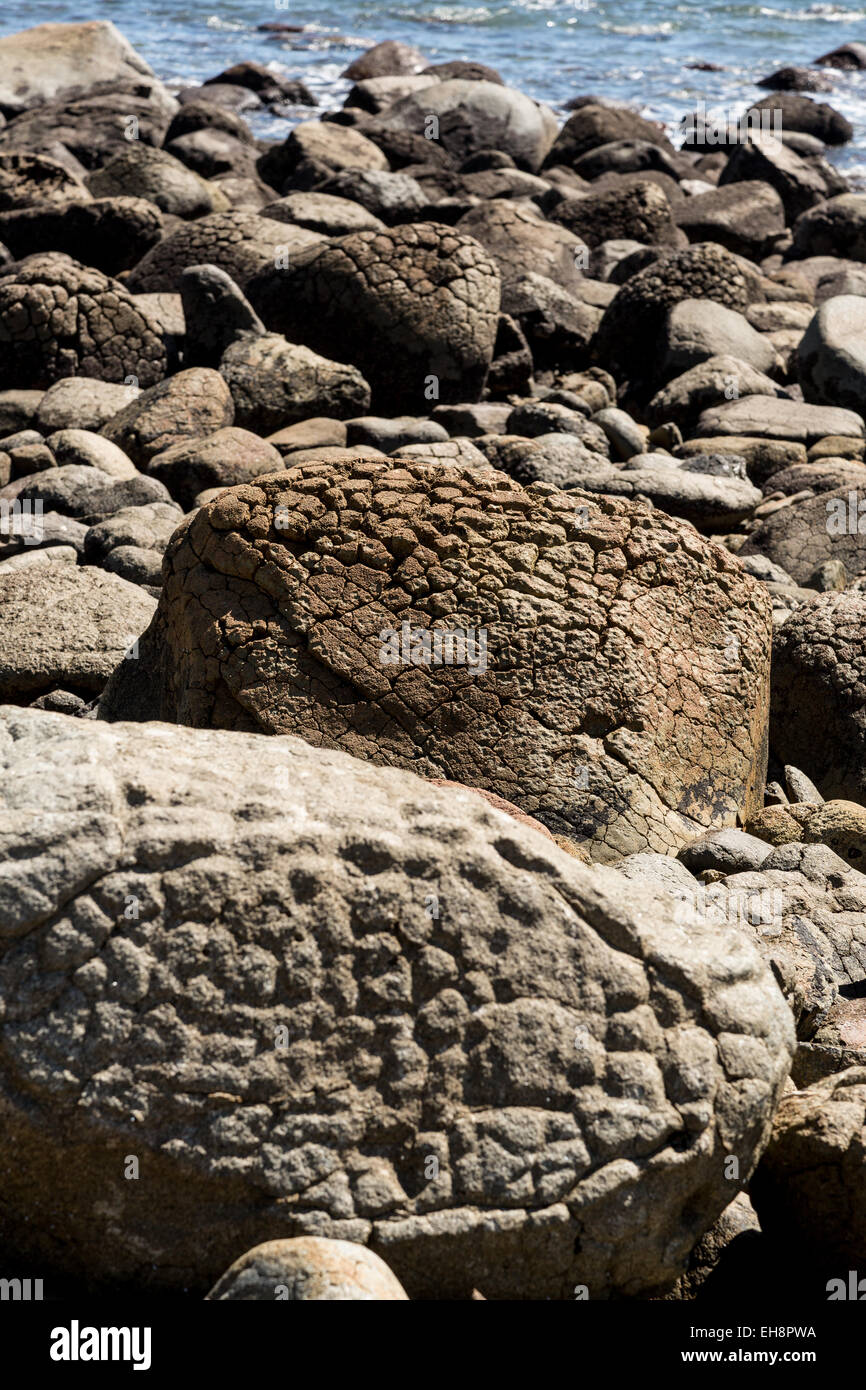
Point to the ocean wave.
(643, 31)
(830, 14)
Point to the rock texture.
(219, 957)
(613, 680)
(308, 1270)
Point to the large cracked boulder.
(240, 243)
(819, 676)
(414, 308)
(804, 535)
(219, 956)
(30, 180)
(107, 234)
(59, 318)
(587, 678)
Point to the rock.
(228, 94)
(224, 459)
(109, 234)
(267, 85)
(803, 536)
(81, 403)
(147, 528)
(51, 61)
(626, 437)
(627, 336)
(836, 227)
(627, 157)
(240, 243)
(800, 183)
(511, 370)
(728, 851)
(793, 79)
(390, 197)
(838, 447)
(660, 873)
(38, 559)
(779, 419)
(308, 1270)
(475, 116)
(457, 452)
(94, 619)
(141, 172)
(207, 115)
(387, 59)
(472, 72)
(18, 409)
(710, 383)
(389, 435)
(190, 405)
(472, 420)
(594, 126)
(315, 433)
(662, 802)
(523, 243)
(275, 383)
(215, 312)
(532, 418)
(764, 457)
(85, 448)
(239, 944)
(747, 218)
(84, 132)
(818, 718)
(324, 213)
(212, 155)
(30, 180)
(848, 56)
(558, 327)
(723, 1258)
(707, 501)
(86, 492)
(640, 212)
(360, 299)
(808, 1190)
(558, 459)
(376, 94)
(799, 113)
(826, 476)
(59, 318)
(699, 329)
(315, 151)
(800, 787)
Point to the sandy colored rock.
(308, 1270)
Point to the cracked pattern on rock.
(579, 1066)
(240, 243)
(405, 305)
(59, 319)
(611, 708)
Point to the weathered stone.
(190, 405)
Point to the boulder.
(84, 132)
(780, 419)
(708, 384)
(155, 175)
(191, 405)
(831, 357)
(59, 319)
(809, 1188)
(90, 450)
(639, 212)
(147, 528)
(473, 116)
(698, 329)
(52, 61)
(314, 152)
(818, 715)
(747, 218)
(558, 326)
(240, 243)
(85, 492)
(848, 56)
(545, 705)
(799, 113)
(593, 126)
(390, 197)
(81, 403)
(522, 243)
(324, 213)
(95, 619)
(275, 383)
(308, 1269)
(804, 535)
(800, 183)
(224, 459)
(708, 501)
(388, 59)
(836, 227)
(215, 313)
(415, 309)
(28, 180)
(202, 886)
(110, 234)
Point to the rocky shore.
(433, 666)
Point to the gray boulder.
(275, 383)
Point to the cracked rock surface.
(240, 243)
(623, 695)
(59, 318)
(284, 980)
(407, 306)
